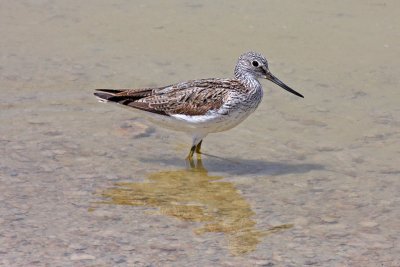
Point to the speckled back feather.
(195, 97)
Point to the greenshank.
(200, 107)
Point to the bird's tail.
(105, 95)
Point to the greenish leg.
(190, 156)
(198, 147)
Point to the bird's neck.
(249, 80)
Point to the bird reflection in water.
(193, 195)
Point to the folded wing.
(189, 98)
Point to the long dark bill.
(275, 80)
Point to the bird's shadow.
(237, 166)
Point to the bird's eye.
(255, 63)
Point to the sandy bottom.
(311, 181)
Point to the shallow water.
(311, 181)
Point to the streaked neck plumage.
(247, 78)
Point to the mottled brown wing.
(193, 101)
(188, 98)
(117, 95)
